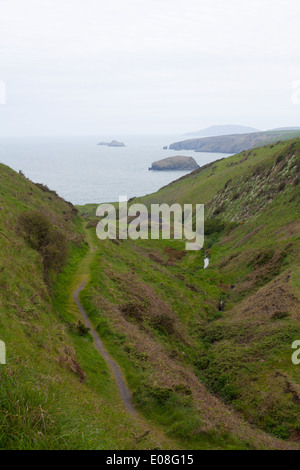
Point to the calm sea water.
(83, 172)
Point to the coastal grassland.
(88, 211)
(207, 353)
(56, 392)
(202, 185)
(152, 319)
(127, 301)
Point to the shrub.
(230, 226)
(279, 158)
(183, 389)
(220, 209)
(202, 363)
(227, 183)
(50, 243)
(36, 227)
(214, 333)
(45, 188)
(280, 431)
(279, 315)
(262, 258)
(159, 395)
(82, 329)
(133, 310)
(213, 226)
(164, 323)
(230, 393)
(55, 252)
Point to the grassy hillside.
(56, 392)
(207, 353)
(279, 162)
(234, 143)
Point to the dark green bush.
(279, 158)
(279, 315)
(220, 209)
(229, 393)
(279, 431)
(261, 258)
(49, 242)
(36, 227)
(202, 363)
(213, 226)
(214, 333)
(55, 251)
(82, 329)
(164, 324)
(159, 395)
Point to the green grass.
(243, 359)
(186, 421)
(201, 376)
(202, 185)
(56, 390)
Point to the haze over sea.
(83, 172)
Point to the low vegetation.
(205, 352)
(227, 331)
(52, 370)
(50, 243)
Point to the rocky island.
(113, 143)
(177, 163)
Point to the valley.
(205, 353)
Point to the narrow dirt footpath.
(80, 280)
(122, 387)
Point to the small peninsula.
(113, 143)
(177, 163)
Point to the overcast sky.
(147, 66)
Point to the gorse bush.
(48, 241)
(55, 251)
(213, 226)
(36, 227)
(82, 329)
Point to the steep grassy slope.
(234, 143)
(56, 392)
(215, 178)
(207, 353)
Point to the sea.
(83, 172)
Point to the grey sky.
(147, 66)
